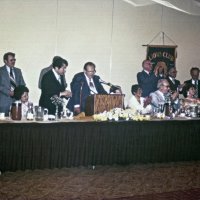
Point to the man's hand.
(174, 96)
(11, 93)
(66, 93)
(147, 101)
(77, 110)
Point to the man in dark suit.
(46, 69)
(84, 84)
(53, 85)
(10, 77)
(194, 72)
(147, 79)
(173, 82)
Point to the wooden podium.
(100, 102)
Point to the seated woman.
(139, 103)
(189, 92)
(21, 94)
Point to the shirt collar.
(160, 93)
(87, 79)
(56, 74)
(146, 71)
(8, 68)
(194, 81)
(172, 79)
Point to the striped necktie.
(91, 83)
(12, 80)
(196, 86)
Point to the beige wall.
(81, 31)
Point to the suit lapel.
(87, 88)
(6, 75)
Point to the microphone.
(109, 84)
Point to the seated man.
(162, 94)
(84, 84)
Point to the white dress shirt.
(93, 90)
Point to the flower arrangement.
(117, 114)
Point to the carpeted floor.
(170, 181)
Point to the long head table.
(30, 145)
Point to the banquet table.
(69, 143)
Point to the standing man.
(173, 82)
(10, 77)
(53, 85)
(194, 72)
(147, 79)
(84, 84)
(46, 69)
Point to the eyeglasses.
(166, 86)
(91, 71)
(13, 60)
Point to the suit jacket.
(173, 86)
(157, 98)
(50, 86)
(81, 90)
(147, 82)
(5, 99)
(190, 82)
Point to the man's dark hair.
(59, 62)
(19, 91)
(144, 62)
(193, 69)
(65, 62)
(5, 56)
(55, 58)
(89, 64)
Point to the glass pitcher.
(16, 111)
(30, 113)
(41, 113)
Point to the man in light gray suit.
(10, 77)
(158, 97)
(162, 94)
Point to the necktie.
(91, 84)
(196, 86)
(12, 80)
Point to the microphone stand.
(81, 89)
